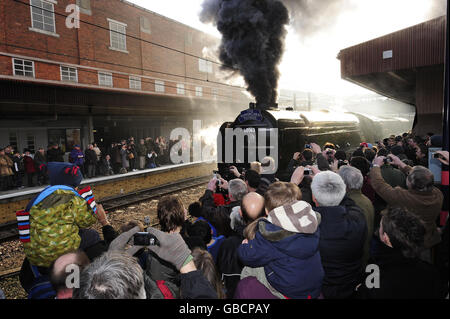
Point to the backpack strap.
(161, 284)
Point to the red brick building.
(125, 70)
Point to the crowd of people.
(19, 170)
(255, 237)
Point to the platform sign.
(250, 115)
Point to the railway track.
(8, 231)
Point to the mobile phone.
(145, 239)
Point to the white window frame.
(105, 73)
(205, 66)
(36, 29)
(198, 91)
(111, 32)
(135, 82)
(159, 86)
(70, 68)
(215, 93)
(181, 89)
(23, 64)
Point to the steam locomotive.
(263, 130)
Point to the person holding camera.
(421, 198)
(219, 216)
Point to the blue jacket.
(343, 231)
(76, 157)
(291, 260)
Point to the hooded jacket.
(49, 226)
(286, 244)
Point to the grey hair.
(113, 275)
(421, 179)
(351, 176)
(328, 188)
(238, 189)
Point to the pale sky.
(310, 63)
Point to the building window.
(42, 15)
(85, 6)
(23, 68)
(118, 35)
(215, 92)
(69, 74)
(198, 91)
(30, 142)
(145, 25)
(135, 82)
(159, 86)
(205, 66)
(105, 79)
(180, 89)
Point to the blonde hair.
(256, 166)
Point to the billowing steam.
(310, 16)
(253, 34)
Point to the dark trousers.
(5, 182)
(18, 179)
(91, 170)
(30, 179)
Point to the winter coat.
(343, 232)
(40, 161)
(291, 260)
(29, 164)
(76, 157)
(55, 155)
(218, 216)
(402, 278)
(228, 263)
(141, 150)
(425, 205)
(90, 157)
(18, 166)
(55, 217)
(6, 165)
(124, 157)
(160, 270)
(369, 213)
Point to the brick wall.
(88, 45)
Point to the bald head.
(252, 207)
(60, 270)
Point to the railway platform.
(107, 187)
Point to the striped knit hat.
(298, 217)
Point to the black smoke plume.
(253, 34)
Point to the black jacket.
(55, 155)
(343, 231)
(402, 278)
(218, 216)
(90, 157)
(228, 263)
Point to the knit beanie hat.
(64, 174)
(298, 217)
